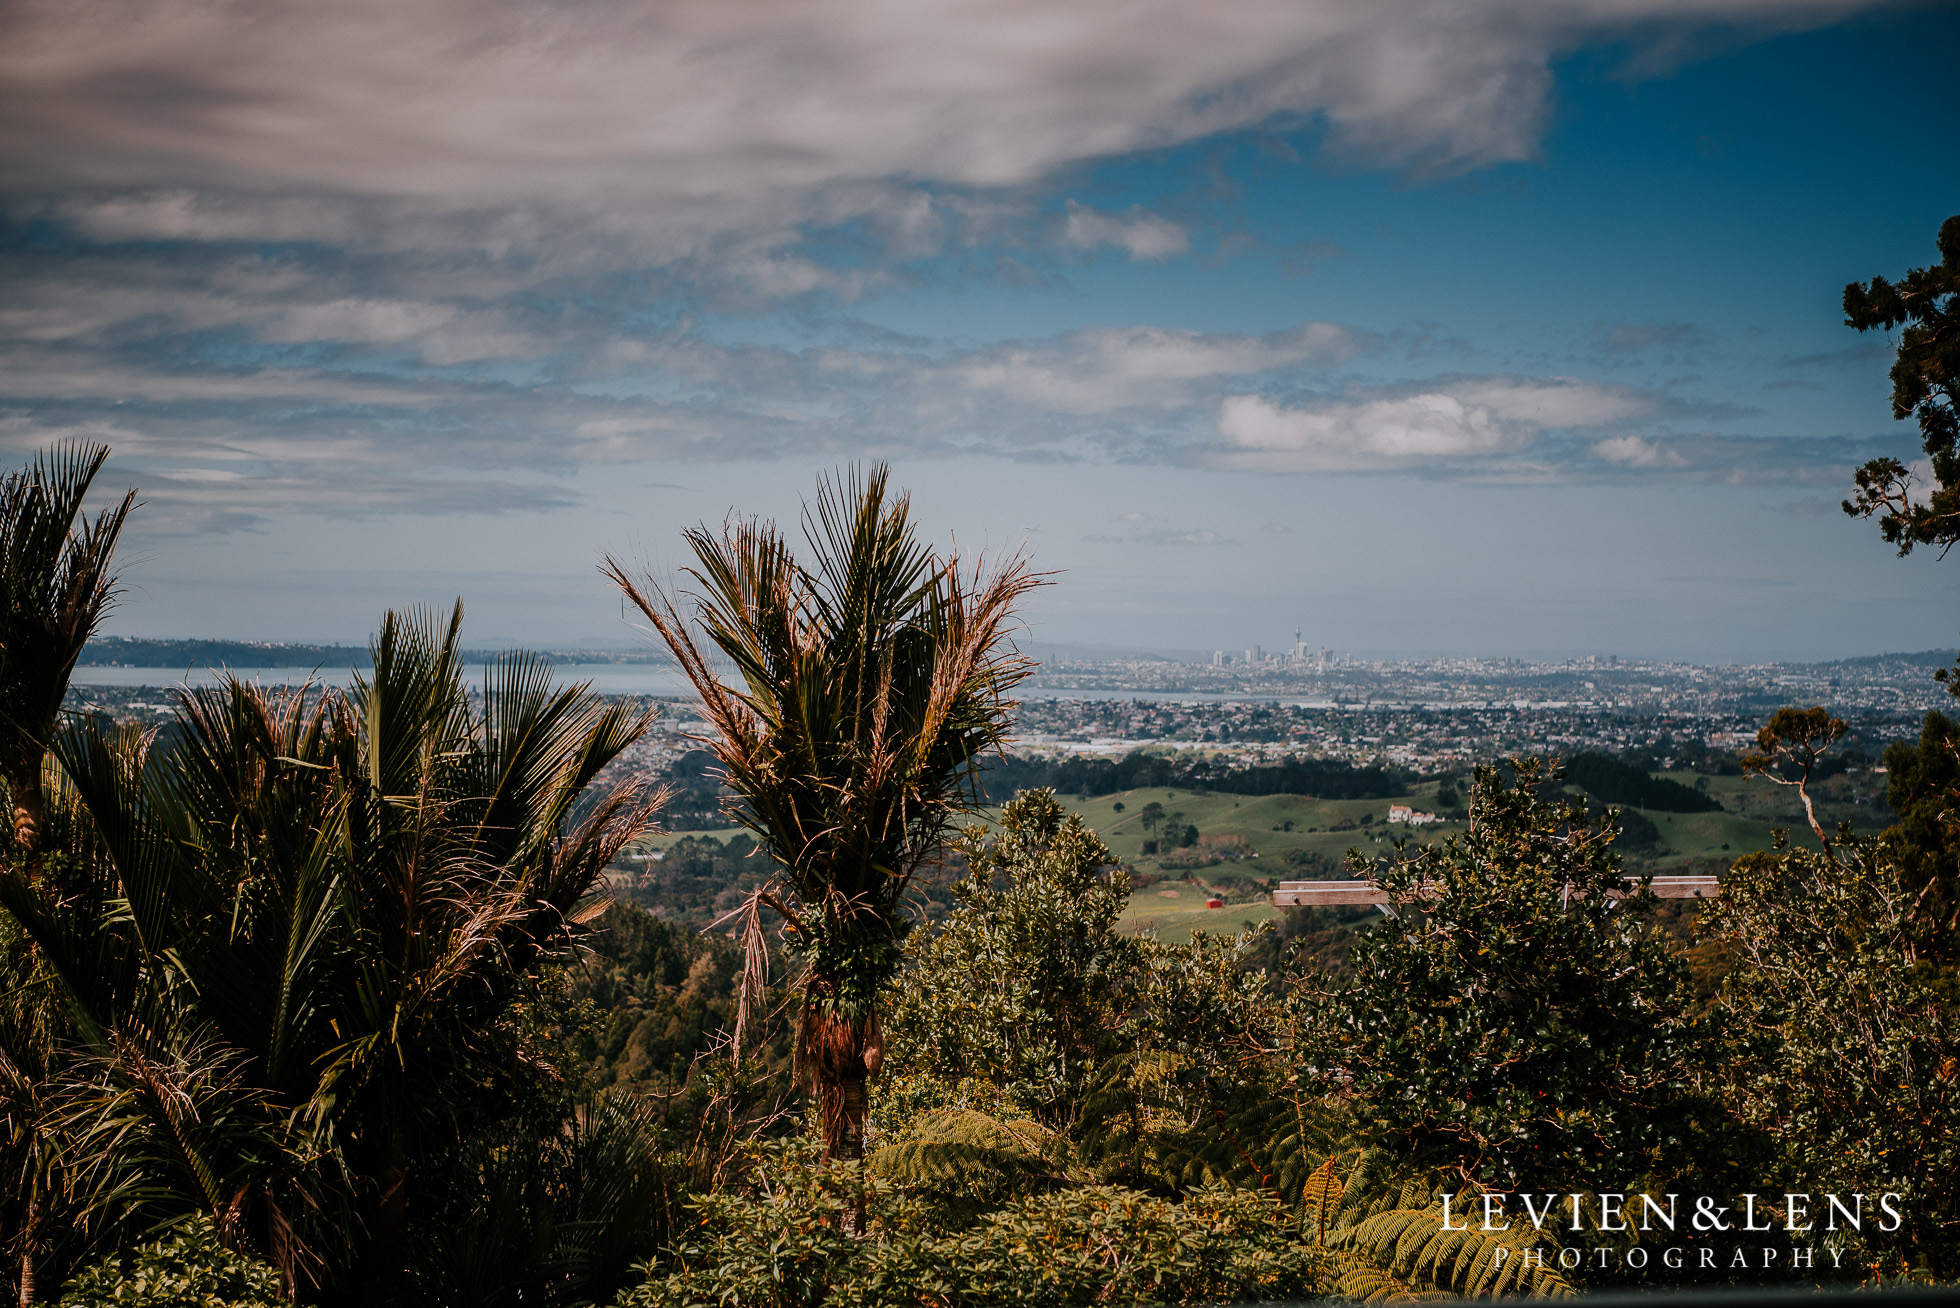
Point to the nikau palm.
(867, 687)
(55, 585)
(325, 906)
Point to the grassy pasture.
(1753, 811)
(1172, 905)
(1172, 910)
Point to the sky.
(1444, 326)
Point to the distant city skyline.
(1466, 327)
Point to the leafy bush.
(1514, 1020)
(186, 1268)
(1847, 1036)
(1143, 769)
(1030, 987)
(1027, 983)
(790, 1245)
(1102, 1244)
(1923, 783)
(1613, 782)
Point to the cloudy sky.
(1494, 326)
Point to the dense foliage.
(1922, 779)
(1517, 1021)
(1140, 769)
(285, 971)
(1027, 984)
(660, 997)
(1846, 1043)
(184, 1268)
(1614, 781)
(1925, 385)
(792, 1246)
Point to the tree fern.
(1395, 1232)
(967, 1161)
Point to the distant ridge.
(1930, 658)
(131, 652)
(135, 652)
(1071, 652)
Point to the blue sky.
(1475, 327)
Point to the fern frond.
(1320, 1197)
(1386, 1239)
(957, 1150)
(1370, 1283)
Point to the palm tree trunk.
(394, 1184)
(30, 808)
(839, 1055)
(29, 1234)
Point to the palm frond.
(56, 584)
(867, 686)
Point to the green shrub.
(1100, 1244)
(789, 1246)
(1515, 1022)
(187, 1268)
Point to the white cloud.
(353, 428)
(1105, 369)
(490, 121)
(1174, 536)
(1638, 452)
(1143, 235)
(381, 322)
(1472, 418)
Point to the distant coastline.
(135, 652)
(140, 652)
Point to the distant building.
(1400, 812)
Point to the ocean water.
(606, 678)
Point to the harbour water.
(606, 678)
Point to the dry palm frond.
(755, 961)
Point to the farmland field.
(1283, 837)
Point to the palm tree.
(867, 687)
(55, 586)
(473, 851)
(334, 904)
